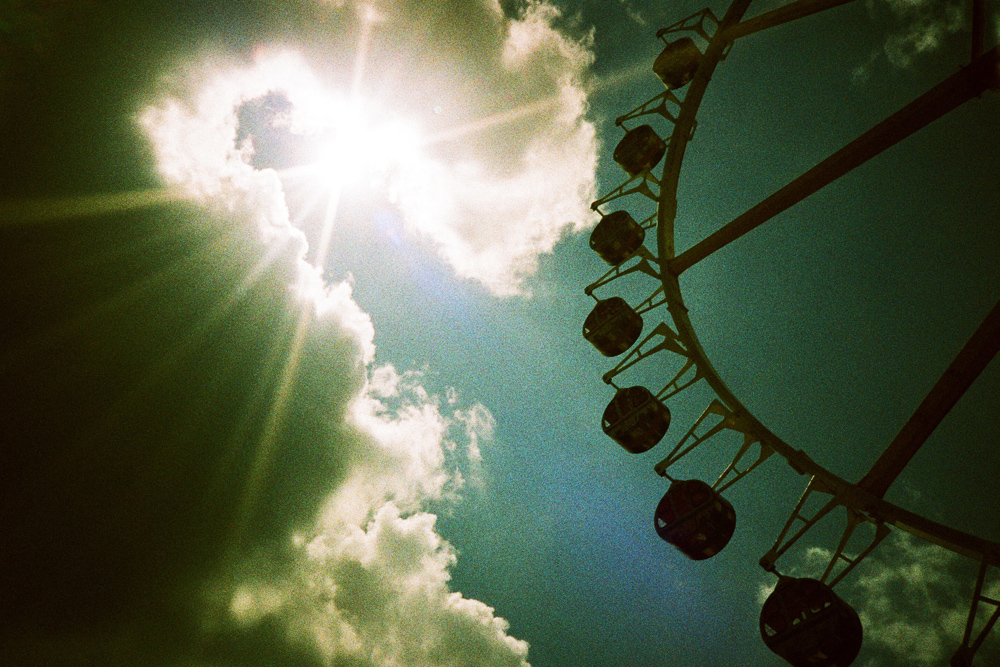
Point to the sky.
(291, 359)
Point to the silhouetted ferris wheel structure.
(803, 621)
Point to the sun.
(325, 143)
(363, 146)
(355, 149)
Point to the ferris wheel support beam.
(790, 12)
(971, 81)
(979, 75)
(959, 376)
(978, 27)
(861, 503)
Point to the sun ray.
(493, 120)
(121, 300)
(283, 355)
(620, 78)
(53, 209)
(190, 343)
(368, 17)
(264, 454)
(256, 400)
(326, 233)
(614, 80)
(281, 398)
(305, 204)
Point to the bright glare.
(354, 139)
(490, 207)
(356, 146)
(359, 149)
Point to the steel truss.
(863, 503)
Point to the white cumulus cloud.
(497, 162)
(368, 581)
(378, 594)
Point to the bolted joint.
(767, 561)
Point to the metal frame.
(963, 657)
(967, 83)
(624, 190)
(863, 502)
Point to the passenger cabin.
(612, 326)
(677, 63)
(806, 624)
(636, 419)
(639, 150)
(693, 517)
(616, 237)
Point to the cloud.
(520, 185)
(927, 25)
(633, 13)
(505, 160)
(369, 586)
(222, 474)
(812, 563)
(378, 594)
(479, 424)
(367, 583)
(918, 27)
(913, 599)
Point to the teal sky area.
(147, 488)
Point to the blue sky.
(225, 449)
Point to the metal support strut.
(959, 376)
(969, 82)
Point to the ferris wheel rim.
(876, 509)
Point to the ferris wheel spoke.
(969, 82)
(976, 355)
(790, 12)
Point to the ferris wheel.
(803, 621)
